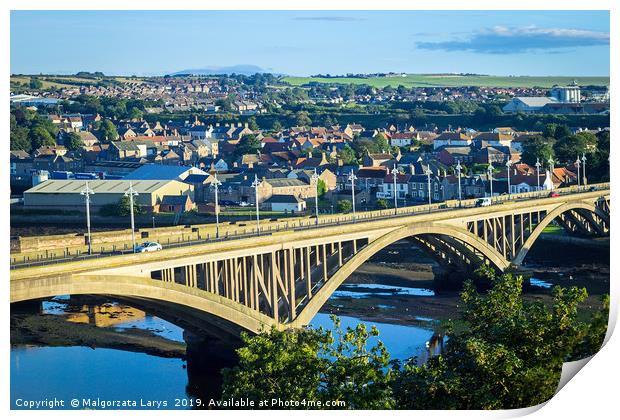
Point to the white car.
(483, 202)
(149, 247)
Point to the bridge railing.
(268, 227)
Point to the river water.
(79, 372)
(40, 372)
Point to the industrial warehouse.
(68, 194)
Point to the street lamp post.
(255, 185)
(428, 176)
(394, 173)
(216, 188)
(131, 193)
(508, 175)
(87, 192)
(583, 171)
(315, 179)
(490, 173)
(537, 174)
(352, 178)
(458, 171)
(551, 168)
(578, 165)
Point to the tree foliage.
(106, 131)
(344, 206)
(248, 144)
(72, 141)
(120, 209)
(313, 364)
(537, 148)
(508, 354)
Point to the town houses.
(285, 168)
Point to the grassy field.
(45, 84)
(430, 80)
(57, 82)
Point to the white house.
(285, 203)
(200, 132)
(387, 188)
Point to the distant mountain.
(247, 69)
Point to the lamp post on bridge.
(508, 175)
(131, 193)
(428, 177)
(490, 169)
(551, 168)
(583, 171)
(87, 192)
(315, 179)
(537, 174)
(394, 173)
(578, 165)
(352, 178)
(255, 185)
(458, 171)
(216, 187)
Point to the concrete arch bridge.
(283, 279)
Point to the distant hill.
(246, 69)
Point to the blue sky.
(572, 43)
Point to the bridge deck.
(300, 234)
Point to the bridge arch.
(321, 296)
(220, 308)
(552, 215)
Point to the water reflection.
(81, 372)
(402, 341)
(540, 283)
(359, 291)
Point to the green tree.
(537, 148)
(136, 114)
(35, 83)
(344, 206)
(106, 131)
(322, 187)
(347, 154)
(561, 131)
(248, 144)
(302, 119)
(276, 126)
(120, 208)
(382, 203)
(568, 148)
(381, 143)
(313, 365)
(19, 137)
(72, 141)
(39, 136)
(252, 124)
(509, 354)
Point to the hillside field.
(449, 80)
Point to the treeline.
(508, 354)
(558, 143)
(30, 130)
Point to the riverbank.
(563, 263)
(32, 329)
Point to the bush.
(382, 203)
(344, 206)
